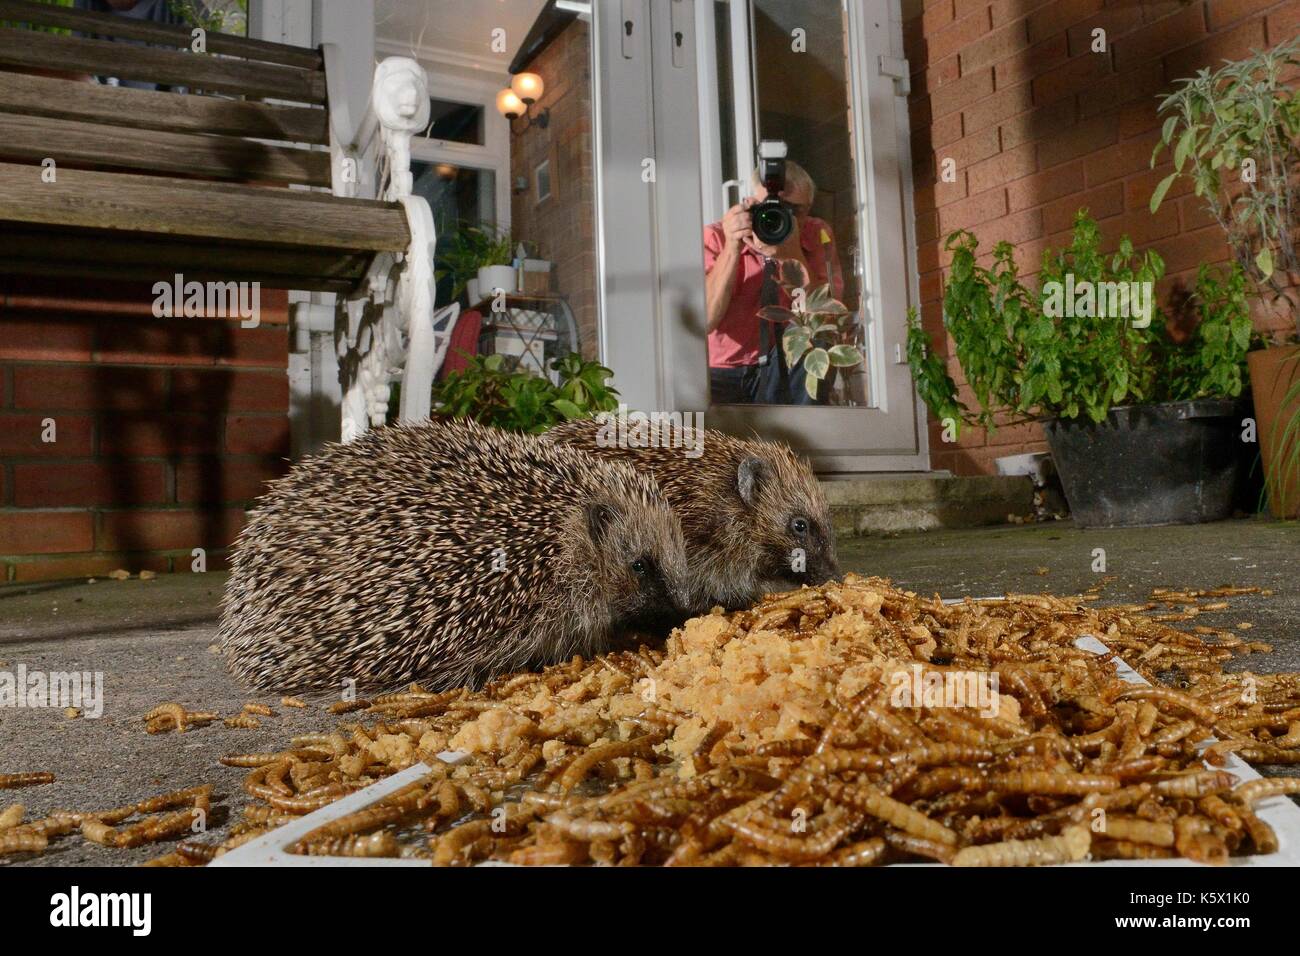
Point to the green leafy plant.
(471, 247)
(1235, 133)
(489, 392)
(40, 28)
(215, 16)
(1025, 358)
(820, 330)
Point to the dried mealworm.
(10, 781)
(1072, 845)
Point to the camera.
(772, 219)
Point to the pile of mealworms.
(777, 735)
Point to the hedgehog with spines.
(753, 515)
(446, 553)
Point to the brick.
(1003, 168)
(945, 194)
(1045, 186)
(1130, 156)
(1015, 228)
(1040, 124)
(1027, 64)
(1116, 21)
(1233, 44)
(994, 47)
(220, 389)
(86, 297)
(972, 149)
(927, 225)
(1101, 203)
(936, 16)
(87, 566)
(1139, 225)
(1054, 18)
(973, 211)
(1004, 11)
(1073, 77)
(1179, 29)
(945, 130)
(257, 435)
(56, 387)
(994, 109)
(961, 93)
(1189, 249)
(190, 342)
(20, 436)
(1138, 89)
(45, 532)
(159, 435)
(27, 337)
(1193, 214)
(957, 35)
(167, 530)
(225, 480)
(1224, 12)
(86, 483)
(1085, 137)
(1284, 22)
(964, 8)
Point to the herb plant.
(820, 329)
(521, 401)
(1024, 361)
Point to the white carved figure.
(386, 330)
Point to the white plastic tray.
(271, 850)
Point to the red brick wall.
(563, 226)
(165, 428)
(1040, 125)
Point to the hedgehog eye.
(640, 567)
(799, 525)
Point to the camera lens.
(772, 221)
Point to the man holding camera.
(746, 364)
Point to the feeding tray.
(1279, 812)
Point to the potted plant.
(1144, 429)
(489, 392)
(1235, 135)
(819, 330)
(477, 259)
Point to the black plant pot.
(1173, 463)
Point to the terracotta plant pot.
(1272, 374)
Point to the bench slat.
(157, 255)
(120, 106)
(105, 24)
(224, 157)
(195, 209)
(31, 50)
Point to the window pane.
(456, 122)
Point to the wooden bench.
(111, 181)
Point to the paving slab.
(153, 641)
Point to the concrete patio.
(153, 642)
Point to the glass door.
(806, 319)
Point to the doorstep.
(924, 501)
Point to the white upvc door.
(683, 90)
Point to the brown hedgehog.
(754, 517)
(446, 553)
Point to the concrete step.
(890, 503)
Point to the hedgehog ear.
(599, 520)
(748, 477)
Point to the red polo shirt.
(735, 341)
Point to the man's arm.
(720, 276)
(720, 284)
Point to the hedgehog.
(446, 553)
(753, 514)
